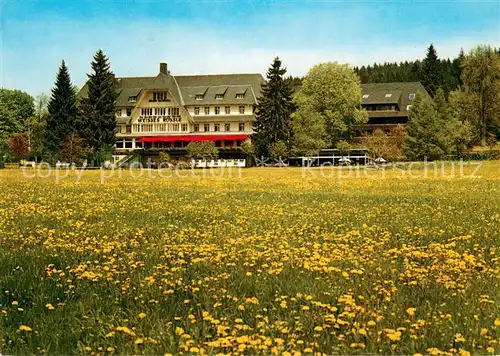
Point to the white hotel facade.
(168, 112)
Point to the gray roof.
(184, 88)
(189, 94)
(382, 97)
(377, 95)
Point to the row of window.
(160, 111)
(160, 127)
(176, 111)
(164, 127)
(217, 127)
(227, 110)
(159, 96)
(219, 96)
(411, 96)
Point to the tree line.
(300, 116)
(61, 127)
(294, 116)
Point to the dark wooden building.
(387, 104)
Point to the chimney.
(163, 68)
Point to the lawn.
(263, 260)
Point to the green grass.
(334, 263)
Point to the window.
(241, 126)
(388, 95)
(411, 96)
(173, 111)
(207, 110)
(206, 127)
(227, 110)
(175, 127)
(128, 129)
(365, 96)
(198, 97)
(161, 127)
(227, 127)
(159, 96)
(216, 127)
(119, 144)
(197, 110)
(196, 127)
(128, 143)
(242, 109)
(408, 107)
(184, 127)
(160, 111)
(240, 96)
(118, 113)
(217, 110)
(219, 96)
(132, 99)
(146, 111)
(129, 112)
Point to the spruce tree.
(98, 123)
(432, 76)
(63, 112)
(273, 117)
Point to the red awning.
(191, 138)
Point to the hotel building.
(388, 105)
(168, 112)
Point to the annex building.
(168, 111)
(387, 104)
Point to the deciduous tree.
(15, 107)
(18, 144)
(481, 77)
(328, 106)
(202, 150)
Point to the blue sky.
(228, 36)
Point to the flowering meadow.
(259, 261)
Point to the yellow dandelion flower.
(141, 315)
(49, 306)
(179, 331)
(411, 311)
(25, 328)
(459, 338)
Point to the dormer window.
(198, 97)
(132, 99)
(159, 96)
(219, 96)
(388, 95)
(240, 96)
(365, 96)
(411, 96)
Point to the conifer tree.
(432, 76)
(98, 123)
(273, 117)
(63, 112)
